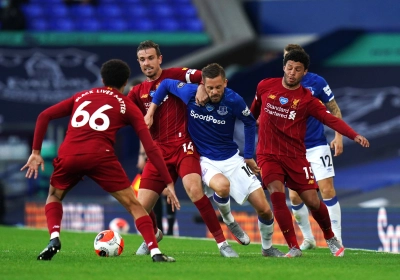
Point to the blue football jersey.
(211, 127)
(320, 89)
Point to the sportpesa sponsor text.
(207, 118)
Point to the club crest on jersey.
(209, 107)
(246, 112)
(144, 95)
(283, 100)
(181, 85)
(310, 89)
(223, 110)
(295, 103)
(271, 96)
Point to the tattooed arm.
(337, 142)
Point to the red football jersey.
(282, 115)
(166, 128)
(96, 116)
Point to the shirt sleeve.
(324, 91)
(256, 105)
(175, 87)
(243, 113)
(59, 110)
(187, 75)
(319, 111)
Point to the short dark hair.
(115, 73)
(298, 56)
(212, 71)
(291, 47)
(149, 45)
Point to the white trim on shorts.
(242, 181)
(321, 161)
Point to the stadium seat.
(115, 24)
(191, 25)
(57, 10)
(82, 11)
(109, 10)
(62, 24)
(33, 10)
(135, 11)
(162, 10)
(187, 11)
(88, 24)
(37, 24)
(168, 25)
(141, 25)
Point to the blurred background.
(50, 49)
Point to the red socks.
(322, 217)
(145, 227)
(284, 218)
(54, 214)
(154, 219)
(210, 219)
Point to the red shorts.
(295, 173)
(181, 159)
(104, 169)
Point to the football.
(119, 225)
(108, 243)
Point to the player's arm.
(337, 142)
(318, 111)
(135, 119)
(59, 110)
(255, 107)
(243, 113)
(174, 87)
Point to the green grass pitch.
(195, 259)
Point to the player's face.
(293, 73)
(215, 88)
(150, 63)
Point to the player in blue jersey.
(320, 157)
(211, 128)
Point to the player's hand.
(201, 95)
(34, 161)
(171, 197)
(337, 145)
(362, 141)
(251, 163)
(148, 120)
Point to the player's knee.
(265, 213)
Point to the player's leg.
(143, 221)
(215, 177)
(171, 217)
(109, 174)
(265, 222)
(158, 212)
(148, 195)
(189, 169)
(320, 158)
(330, 199)
(300, 213)
(320, 213)
(273, 178)
(61, 181)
